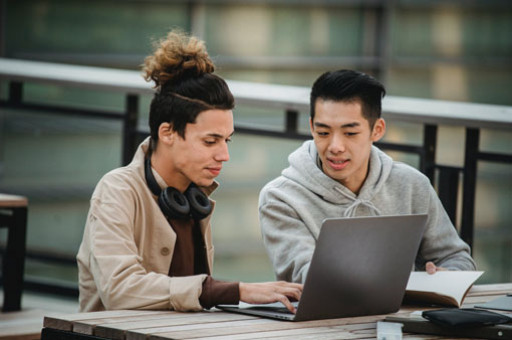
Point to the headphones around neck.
(175, 205)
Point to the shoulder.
(408, 174)
(275, 185)
(118, 178)
(405, 183)
(120, 182)
(278, 189)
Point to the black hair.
(349, 85)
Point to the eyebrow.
(351, 125)
(217, 135)
(348, 125)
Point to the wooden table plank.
(358, 331)
(64, 322)
(332, 334)
(275, 325)
(291, 333)
(326, 333)
(88, 326)
(144, 327)
(142, 334)
(142, 330)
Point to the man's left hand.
(431, 268)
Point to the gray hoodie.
(293, 206)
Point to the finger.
(290, 284)
(430, 267)
(287, 303)
(293, 293)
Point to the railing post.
(447, 189)
(428, 156)
(15, 92)
(291, 122)
(469, 185)
(130, 121)
(13, 268)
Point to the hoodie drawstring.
(351, 210)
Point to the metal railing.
(291, 100)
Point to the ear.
(379, 128)
(166, 134)
(311, 126)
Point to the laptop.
(360, 266)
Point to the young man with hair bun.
(147, 241)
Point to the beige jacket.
(127, 247)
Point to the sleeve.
(441, 243)
(217, 292)
(288, 241)
(117, 265)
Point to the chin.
(204, 182)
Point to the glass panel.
(45, 29)
(259, 30)
(496, 141)
(451, 31)
(409, 82)
(56, 162)
(490, 86)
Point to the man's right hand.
(269, 292)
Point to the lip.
(338, 164)
(214, 170)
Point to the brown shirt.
(189, 258)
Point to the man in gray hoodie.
(340, 173)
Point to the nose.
(337, 144)
(223, 153)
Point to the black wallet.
(465, 317)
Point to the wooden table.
(213, 325)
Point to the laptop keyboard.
(276, 309)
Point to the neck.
(171, 176)
(355, 183)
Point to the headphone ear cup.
(200, 205)
(173, 203)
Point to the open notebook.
(360, 266)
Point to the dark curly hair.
(184, 82)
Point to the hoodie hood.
(305, 169)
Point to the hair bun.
(176, 57)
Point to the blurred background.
(450, 50)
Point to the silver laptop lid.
(360, 266)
